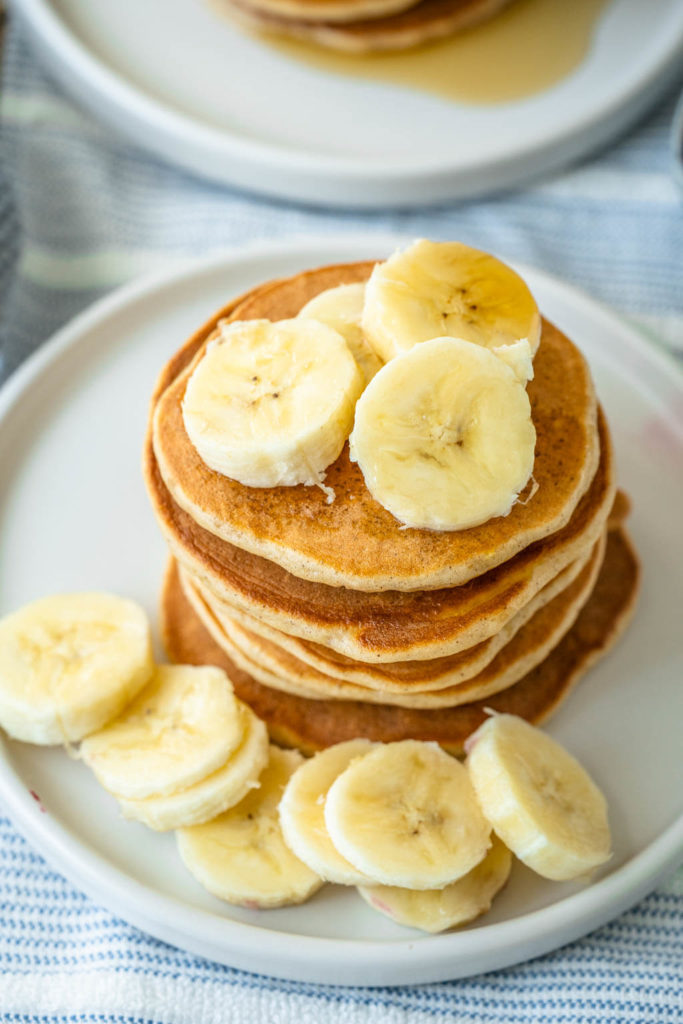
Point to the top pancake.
(332, 11)
(354, 542)
(364, 26)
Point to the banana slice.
(443, 436)
(405, 814)
(435, 910)
(271, 404)
(519, 358)
(302, 812)
(182, 727)
(212, 795)
(70, 663)
(241, 855)
(342, 309)
(538, 798)
(440, 289)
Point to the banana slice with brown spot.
(539, 799)
(241, 856)
(447, 289)
(405, 814)
(181, 728)
(444, 437)
(69, 664)
(435, 910)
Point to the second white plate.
(181, 81)
(74, 516)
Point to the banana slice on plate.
(435, 910)
(342, 309)
(302, 812)
(443, 436)
(212, 795)
(539, 799)
(241, 856)
(184, 725)
(271, 404)
(405, 814)
(69, 663)
(441, 289)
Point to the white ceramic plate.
(182, 82)
(74, 515)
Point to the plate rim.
(144, 285)
(137, 114)
(527, 935)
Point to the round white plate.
(184, 83)
(74, 515)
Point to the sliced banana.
(69, 663)
(302, 812)
(342, 309)
(440, 289)
(405, 814)
(435, 910)
(241, 856)
(443, 436)
(212, 795)
(184, 726)
(538, 798)
(519, 358)
(271, 404)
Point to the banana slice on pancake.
(435, 910)
(443, 436)
(271, 404)
(212, 795)
(342, 309)
(406, 814)
(70, 663)
(302, 812)
(447, 289)
(241, 856)
(519, 358)
(183, 726)
(539, 799)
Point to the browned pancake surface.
(353, 541)
(313, 725)
(274, 666)
(406, 676)
(397, 676)
(390, 625)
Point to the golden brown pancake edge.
(313, 725)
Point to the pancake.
(407, 676)
(323, 10)
(353, 542)
(392, 677)
(270, 664)
(390, 625)
(312, 725)
(419, 23)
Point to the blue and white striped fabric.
(80, 212)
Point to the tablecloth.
(82, 211)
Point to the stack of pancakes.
(335, 622)
(363, 26)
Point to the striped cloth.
(80, 212)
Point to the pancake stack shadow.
(333, 622)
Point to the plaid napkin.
(80, 212)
